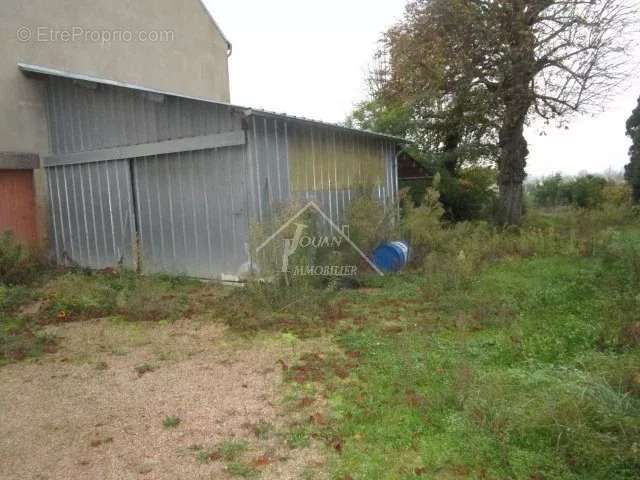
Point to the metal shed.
(167, 183)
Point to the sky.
(310, 58)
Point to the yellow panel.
(323, 154)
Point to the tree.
(553, 58)
(425, 88)
(632, 170)
(506, 62)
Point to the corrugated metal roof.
(41, 70)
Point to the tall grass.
(19, 264)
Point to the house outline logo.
(288, 246)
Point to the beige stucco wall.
(186, 53)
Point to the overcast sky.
(310, 58)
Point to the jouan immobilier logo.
(334, 238)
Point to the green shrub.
(18, 264)
(617, 194)
(152, 299)
(171, 421)
(78, 296)
(13, 297)
(589, 191)
(20, 339)
(370, 222)
(470, 196)
(421, 225)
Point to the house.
(164, 174)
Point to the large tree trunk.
(511, 167)
(517, 94)
(450, 150)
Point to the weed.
(14, 297)
(20, 339)
(514, 358)
(205, 456)
(18, 265)
(262, 430)
(296, 308)
(230, 450)
(171, 421)
(299, 437)
(144, 368)
(153, 299)
(241, 469)
(76, 296)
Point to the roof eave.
(247, 111)
(283, 116)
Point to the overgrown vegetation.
(525, 370)
(463, 78)
(33, 295)
(18, 264)
(505, 354)
(500, 353)
(588, 191)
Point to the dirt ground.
(95, 409)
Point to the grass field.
(530, 370)
(504, 356)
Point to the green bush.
(78, 296)
(588, 191)
(13, 297)
(470, 196)
(20, 339)
(18, 264)
(370, 222)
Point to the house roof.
(46, 71)
(215, 24)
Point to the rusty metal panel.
(91, 208)
(17, 204)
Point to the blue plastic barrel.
(391, 257)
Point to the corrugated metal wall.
(91, 210)
(300, 160)
(190, 207)
(190, 213)
(88, 116)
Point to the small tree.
(632, 170)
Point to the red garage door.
(17, 204)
